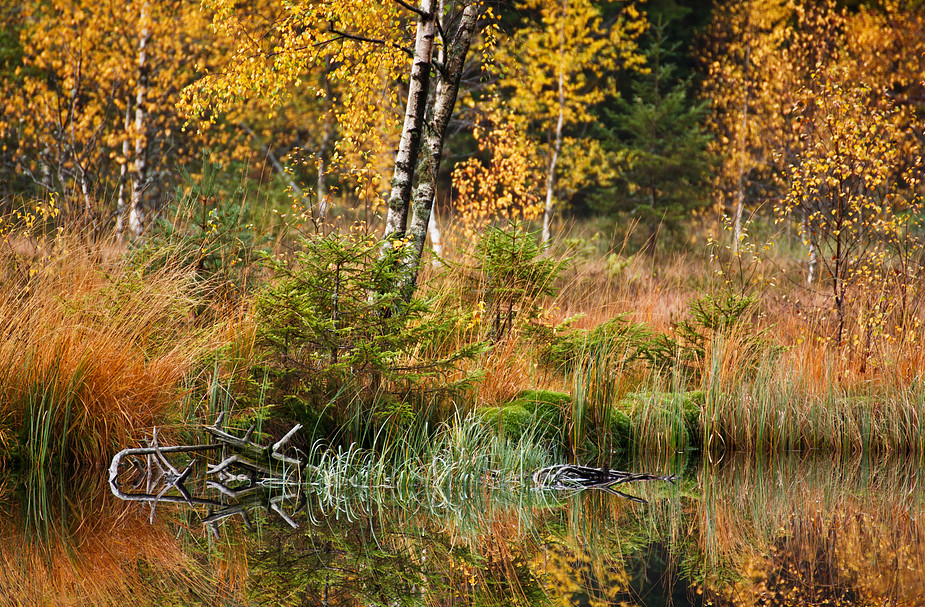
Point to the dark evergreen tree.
(659, 142)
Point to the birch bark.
(139, 183)
(409, 146)
(447, 91)
(740, 182)
(554, 159)
(121, 203)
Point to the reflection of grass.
(794, 530)
(463, 471)
(785, 525)
(81, 546)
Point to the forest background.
(664, 211)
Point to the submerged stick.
(574, 477)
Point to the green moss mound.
(677, 416)
(542, 409)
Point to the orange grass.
(92, 349)
(507, 370)
(801, 389)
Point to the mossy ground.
(550, 413)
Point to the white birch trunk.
(813, 259)
(811, 271)
(433, 230)
(409, 146)
(447, 90)
(553, 160)
(123, 174)
(136, 212)
(740, 184)
(324, 150)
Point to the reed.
(780, 408)
(745, 399)
(460, 472)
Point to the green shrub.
(337, 332)
(725, 315)
(516, 271)
(563, 348)
(541, 411)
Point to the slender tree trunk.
(433, 230)
(740, 181)
(409, 146)
(45, 170)
(840, 263)
(811, 270)
(136, 217)
(549, 208)
(447, 90)
(551, 175)
(327, 134)
(85, 192)
(123, 173)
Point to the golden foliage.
(72, 106)
(505, 187)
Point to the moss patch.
(549, 411)
(541, 407)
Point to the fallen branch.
(564, 477)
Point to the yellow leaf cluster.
(505, 186)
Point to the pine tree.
(660, 139)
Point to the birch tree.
(556, 67)
(91, 104)
(368, 45)
(760, 56)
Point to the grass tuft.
(93, 351)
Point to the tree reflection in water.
(785, 531)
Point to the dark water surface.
(793, 530)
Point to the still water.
(789, 530)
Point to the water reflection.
(792, 530)
(68, 541)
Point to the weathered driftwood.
(244, 478)
(159, 475)
(565, 477)
(267, 452)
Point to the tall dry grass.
(804, 391)
(92, 348)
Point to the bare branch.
(411, 8)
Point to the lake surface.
(800, 529)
